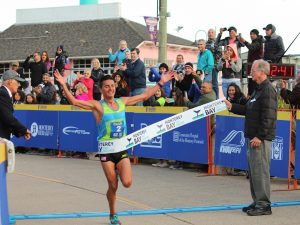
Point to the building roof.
(80, 39)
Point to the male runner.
(110, 118)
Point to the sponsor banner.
(297, 151)
(151, 23)
(231, 146)
(187, 143)
(43, 126)
(161, 127)
(77, 132)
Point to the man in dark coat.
(274, 48)
(260, 125)
(8, 123)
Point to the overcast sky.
(194, 15)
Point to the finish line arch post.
(230, 145)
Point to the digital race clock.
(278, 71)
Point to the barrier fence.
(297, 151)
(72, 129)
(231, 149)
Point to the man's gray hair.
(202, 40)
(263, 66)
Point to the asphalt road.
(44, 185)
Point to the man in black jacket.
(135, 74)
(274, 48)
(8, 123)
(37, 68)
(260, 124)
(255, 51)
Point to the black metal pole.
(288, 48)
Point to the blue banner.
(43, 126)
(297, 151)
(77, 132)
(187, 143)
(230, 144)
(231, 149)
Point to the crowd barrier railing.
(230, 144)
(297, 150)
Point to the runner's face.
(108, 89)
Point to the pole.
(162, 37)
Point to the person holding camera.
(37, 68)
(231, 65)
(233, 38)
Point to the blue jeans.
(226, 82)
(135, 92)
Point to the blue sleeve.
(112, 57)
(154, 75)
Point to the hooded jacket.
(232, 68)
(274, 47)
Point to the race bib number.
(116, 129)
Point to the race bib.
(116, 129)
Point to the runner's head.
(107, 86)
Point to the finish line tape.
(143, 212)
(161, 127)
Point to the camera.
(224, 28)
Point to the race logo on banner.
(155, 142)
(151, 23)
(233, 143)
(41, 130)
(277, 148)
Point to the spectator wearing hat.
(8, 123)
(232, 39)
(37, 68)
(185, 83)
(255, 51)
(274, 48)
(154, 76)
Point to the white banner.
(161, 127)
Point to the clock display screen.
(278, 71)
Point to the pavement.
(44, 185)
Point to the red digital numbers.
(273, 71)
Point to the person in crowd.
(291, 97)
(230, 64)
(179, 68)
(63, 98)
(158, 99)
(233, 38)
(60, 59)
(127, 60)
(235, 95)
(19, 97)
(81, 92)
(46, 60)
(135, 74)
(106, 113)
(24, 85)
(217, 53)
(8, 123)
(45, 93)
(154, 76)
(274, 47)
(255, 51)
(96, 74)
(260, 125)
(121, 86)
(30, 99)
(205, 61)
(119, 55)
(87, 81)
(37, 68)
(185, 83)
(208, 95)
